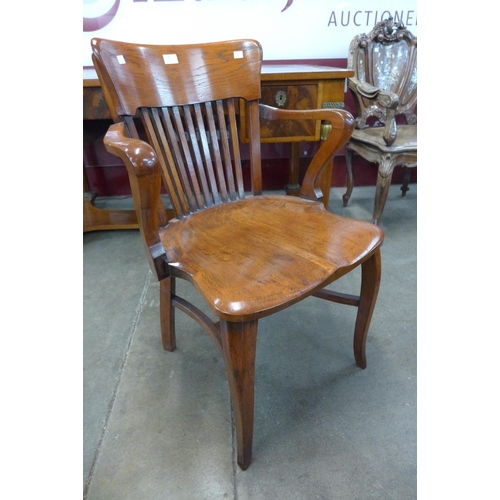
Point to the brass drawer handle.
(334, 105)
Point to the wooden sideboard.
(289, 86)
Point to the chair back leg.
(349, 159)
(167, 313)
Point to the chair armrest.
(145, 182)
(386, 101)
(342, 126)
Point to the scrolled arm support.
(145, 182)
(342, 126)
(389, 101)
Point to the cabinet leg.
(293, 187)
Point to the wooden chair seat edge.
(243, 282)
(406, 138)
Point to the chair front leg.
(370, 283)
(239, 342)
(384, 176)
(167, 313)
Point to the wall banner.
(287, 29)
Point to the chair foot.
(167, 313)
(406, 180)
(239, 342)
(370, 283)
(345, 198)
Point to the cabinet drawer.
(305, 96)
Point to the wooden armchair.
(249, 256)
(384, 86)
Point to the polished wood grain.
(331, 80)
(248, 255)
(268, 252)
(239, 344)
(323, 86)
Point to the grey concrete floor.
(158, 425)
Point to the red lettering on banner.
(99, 22)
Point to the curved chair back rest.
(386, 58)
(187, 98)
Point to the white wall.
(287, 29)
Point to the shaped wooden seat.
(384, 86)
(249, 255)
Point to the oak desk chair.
(384, 86)
(248, 256)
